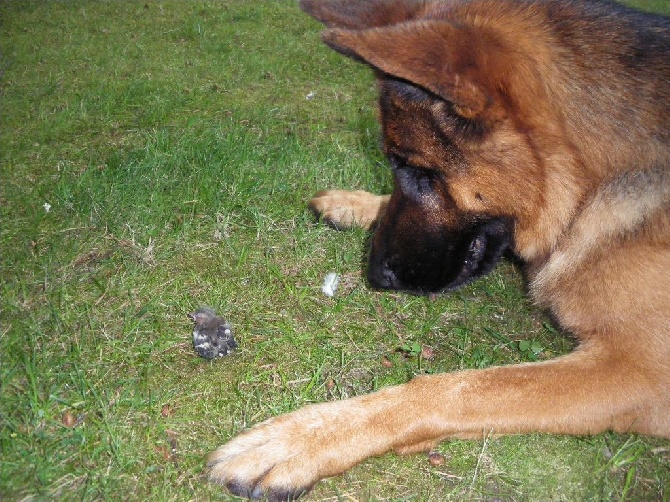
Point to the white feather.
(330, 283)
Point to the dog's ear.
(357, 14)
(447, 60)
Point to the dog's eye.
(414, 182)
(460, 126)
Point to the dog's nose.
(381, 276)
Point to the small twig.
(479, 458)
(447, 475)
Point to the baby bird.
(212, 336)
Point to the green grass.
(176, 148)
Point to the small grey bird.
(212, 336)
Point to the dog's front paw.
(269, 460)
(345, 209)
(283, 457)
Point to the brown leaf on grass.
(69, 420)
(167, 411)
(436, 458)
(94, 256)
(163, 452)
(427, 353)
(386, 362)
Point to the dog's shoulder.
(619, 245)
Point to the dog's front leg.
(284, 456)
(582, 393)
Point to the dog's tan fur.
(346, 209)
(576, 153)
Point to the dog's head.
(430, 239)
(473, 139)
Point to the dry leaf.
(436, 458)
(427, 353)
(69, 420)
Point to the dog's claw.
(255, 491)
(241, 489)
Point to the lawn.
(157, 156)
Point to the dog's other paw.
(279, 459)
(346, 209)
(264, 462)
(282, 458)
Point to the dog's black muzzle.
(437, 260)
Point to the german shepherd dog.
(539, 126)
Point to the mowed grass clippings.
(158, 156)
